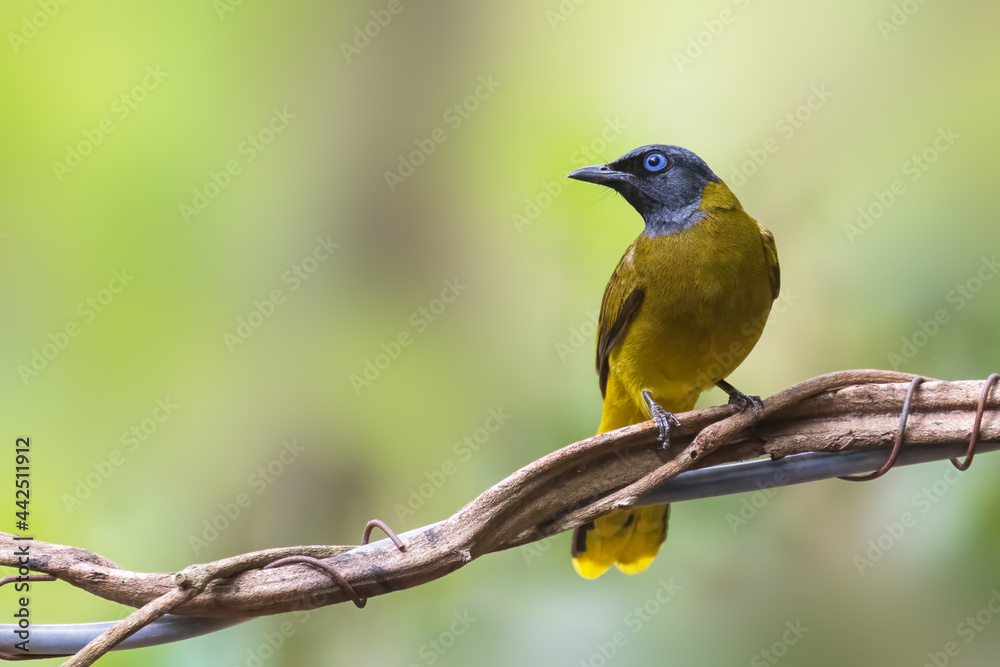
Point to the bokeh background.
(117, 115)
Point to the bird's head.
(663, 183)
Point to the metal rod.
(747, 476)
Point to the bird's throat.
(664, 222)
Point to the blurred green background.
(211, 154)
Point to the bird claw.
(743, 401)
(664, 420)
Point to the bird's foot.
(664, 420)
(738, 398)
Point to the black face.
(663, 183)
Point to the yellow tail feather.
(628, 539)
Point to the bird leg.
(664, 420)
(737, 397)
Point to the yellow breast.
(708, 292)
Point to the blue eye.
(655, 162)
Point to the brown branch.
(129, 625)
(840, 411)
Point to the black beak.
(599, 174)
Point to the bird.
(683, 308)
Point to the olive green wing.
(621, 302)
(771, 255)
